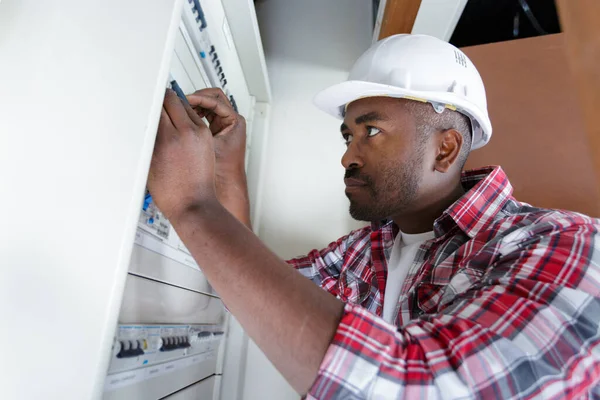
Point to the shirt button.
(347, 292)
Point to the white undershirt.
(403, 254)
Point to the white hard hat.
(415, 67)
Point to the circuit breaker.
(153, 361)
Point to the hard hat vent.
(460, 58)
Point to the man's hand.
(227, 126)
(229, 132)
(182, 173)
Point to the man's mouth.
(353, 182)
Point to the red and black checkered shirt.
(504, 302)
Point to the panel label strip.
(122, 379)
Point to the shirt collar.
(487, 190)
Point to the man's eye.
(347, 138)
(372, 131)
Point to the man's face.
(384, 160)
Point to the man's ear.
(449, 143)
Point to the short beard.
(397, 189)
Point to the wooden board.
(539, 133)
(580, 20)
(399, 17)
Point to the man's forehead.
(377, 107)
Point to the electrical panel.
(94, 161)
(171, 323)
(198, 62)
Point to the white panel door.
(81, 86)
(202, 390)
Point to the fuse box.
(171, 322)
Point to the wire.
(531, 17)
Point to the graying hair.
(429, 121)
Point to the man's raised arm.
(291, 319)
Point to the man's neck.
(422, 220)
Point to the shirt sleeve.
(524, 326)
(323, 266)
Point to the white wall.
(309, 45)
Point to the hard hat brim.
(335, 99)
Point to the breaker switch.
(130, 348)
(147, 201)
(174, 343)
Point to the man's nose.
(352, 158)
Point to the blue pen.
(175, 86)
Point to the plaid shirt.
(503, 303)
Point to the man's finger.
(213, 92)
(194, 116)
(176, 111)
(211, 104)
(164, 125)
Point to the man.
(456, 290)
